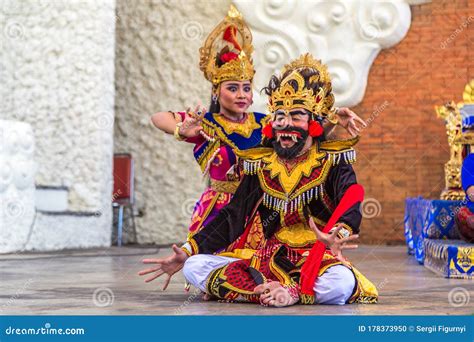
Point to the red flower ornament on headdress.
(315, 129)
(229, 56)
(267, 131)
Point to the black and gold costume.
(284, 197)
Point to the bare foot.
(206, 297)
(275, 294)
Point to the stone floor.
(105, 282)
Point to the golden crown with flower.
(226, 53)
(319, 103)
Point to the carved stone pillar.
(17, 185)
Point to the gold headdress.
(226, 53)
(287, 98)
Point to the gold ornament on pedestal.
(460, 143)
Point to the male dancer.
(297, 182)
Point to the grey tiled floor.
(105, 282)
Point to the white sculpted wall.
(346, 35)
(57, 74)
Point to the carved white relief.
(57, 74)
(347, 35)
(17, 185)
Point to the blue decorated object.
(467, 177)
(407, 223)
(450, 258)
(429, 219)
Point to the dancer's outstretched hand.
(191, 126)
(350, 121)
(332, 241)
(169, 266)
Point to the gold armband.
(176, 132)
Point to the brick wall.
(403, 150)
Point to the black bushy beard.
(292, 152)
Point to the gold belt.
(224, 186)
